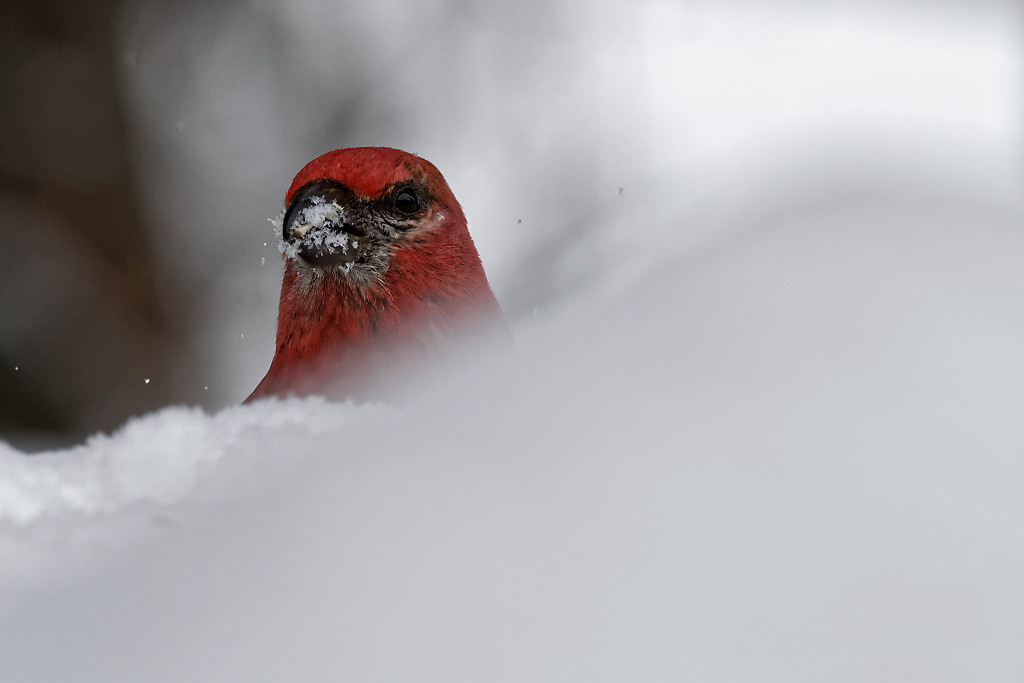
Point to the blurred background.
(146, 142)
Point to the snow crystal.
(315, 225)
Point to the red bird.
(380, 273)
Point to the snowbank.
(156, 458)
(792, 457)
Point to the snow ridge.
(157, 458)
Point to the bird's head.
(379, 269)
(358, 215)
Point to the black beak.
(322, 224)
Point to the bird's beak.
(321, 226)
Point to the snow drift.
(795, 456)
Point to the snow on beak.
(317, 227)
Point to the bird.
(380, 276)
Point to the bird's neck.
(330, 328)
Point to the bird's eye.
(406, 201)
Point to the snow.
(316, 226)
(795, 456)
(154, 458)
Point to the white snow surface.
(107, 473)
(794, 456)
